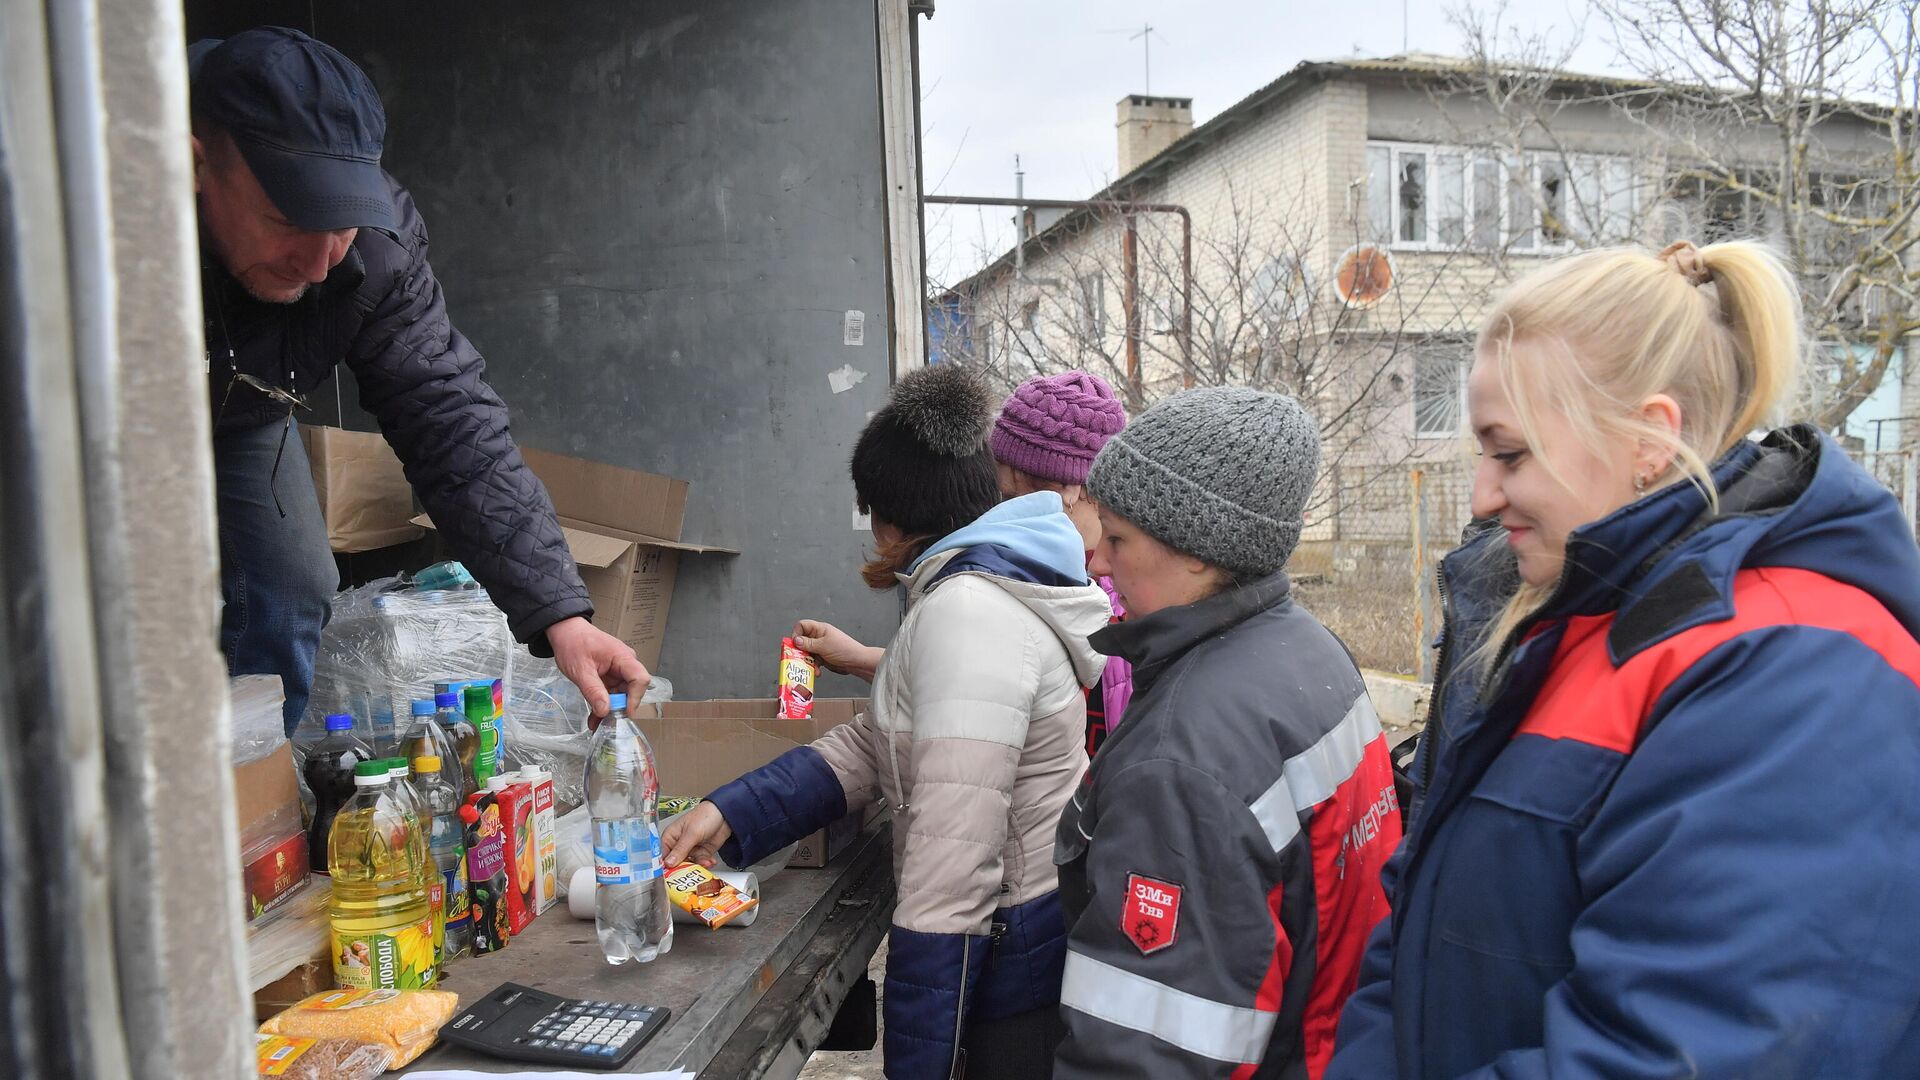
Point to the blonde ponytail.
(1715, 328)
(1761, 306)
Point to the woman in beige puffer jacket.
(974, 738)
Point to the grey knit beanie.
(1220, 473)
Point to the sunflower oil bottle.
(381, 919)
(419, 822)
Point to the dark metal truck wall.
(653, 219)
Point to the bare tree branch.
(1791, 122)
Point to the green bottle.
(478, 700)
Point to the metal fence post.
(1422, 603)
(1909, 490)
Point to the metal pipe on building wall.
(1129, 209)
(1130, 265)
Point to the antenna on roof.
(1144, 36)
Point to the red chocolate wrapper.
(798, 670)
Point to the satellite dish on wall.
(1364, 275)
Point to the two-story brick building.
(1351, 221)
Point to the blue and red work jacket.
(1672, 829)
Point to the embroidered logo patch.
(1150, 917)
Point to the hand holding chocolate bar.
(836, 650)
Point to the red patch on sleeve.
(1150, 915)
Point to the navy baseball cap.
(307, 120)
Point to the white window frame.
(1470, 157)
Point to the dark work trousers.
(277, 573)
(1017, 1047)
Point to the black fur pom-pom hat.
(922, 464)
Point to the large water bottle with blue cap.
(631, 911)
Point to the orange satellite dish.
(1364, 275)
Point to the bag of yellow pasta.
(404, 1022)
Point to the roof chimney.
(1147, 125)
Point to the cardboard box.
(274, 856)
(364, 494)
(264, 790)
(818, 848)
(700, 745)
(313, 976)
(623, 527)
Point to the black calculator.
(523, 1024)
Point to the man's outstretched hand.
(596, 662)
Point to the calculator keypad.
(597, 1028)
(545, 1028)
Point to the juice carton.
(546, 845)
(516, 821)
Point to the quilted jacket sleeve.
(779, 802)
(426, 385)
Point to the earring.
(1639, 483)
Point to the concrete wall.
(120, 904)
(652, 221)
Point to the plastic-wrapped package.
(406, 1023)
(289, 935)
(258, 728)
(389, 642)
(288, 1058)
(273, 847)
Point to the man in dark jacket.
(311, 254)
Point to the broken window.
(1413, 198)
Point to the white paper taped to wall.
(853, 329)
(845, 379)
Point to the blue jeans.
(277, 572)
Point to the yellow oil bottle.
(381, 919)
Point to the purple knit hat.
(1054, 425)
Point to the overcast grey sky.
(1039, 78)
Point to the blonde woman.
(1665, 821)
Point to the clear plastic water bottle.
(426, 737)
(631, 911)
(444, 841)
(465, 740)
